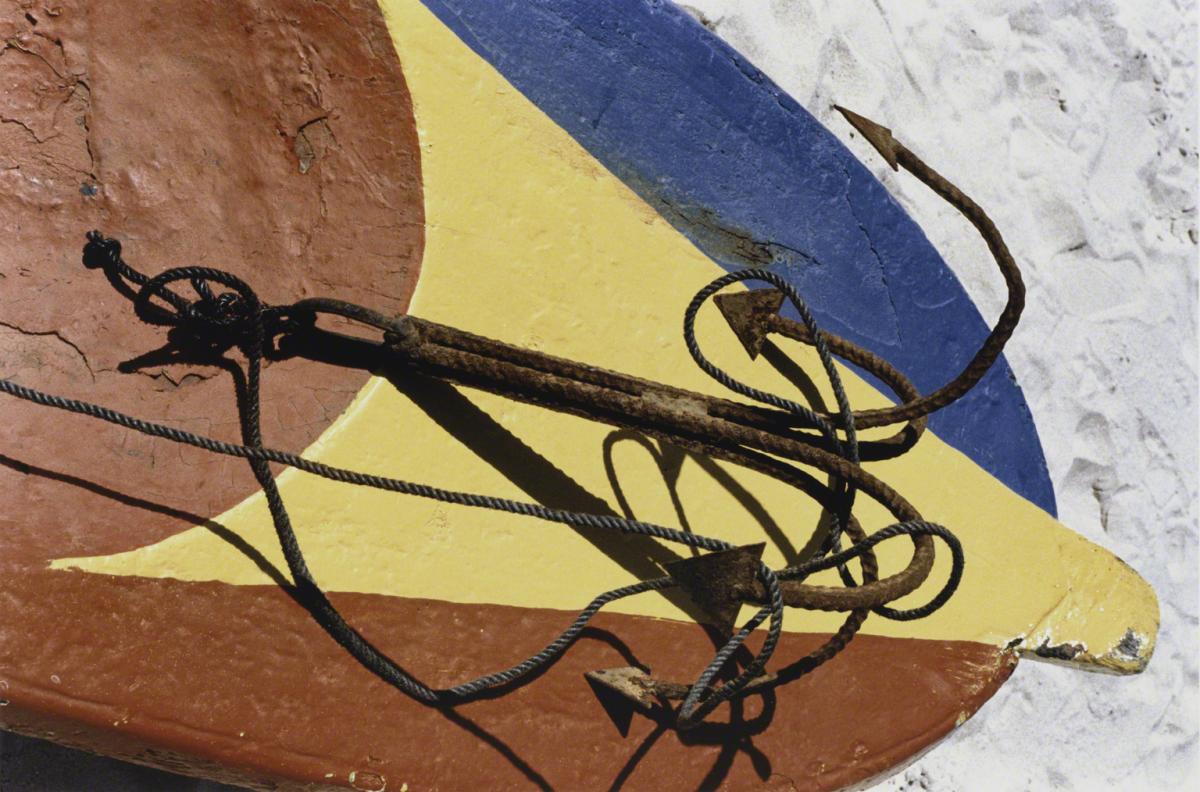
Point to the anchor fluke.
(749, 315)
(719, 582)
(635, 686)
(877, 135)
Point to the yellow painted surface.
(531, 241)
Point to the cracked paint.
(57, 335)
(481, 314)
(186, 169)
(313, 139)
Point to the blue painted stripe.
(753, 179)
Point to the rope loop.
(235, 316)
(229, 314)
(226, 311)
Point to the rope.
(237, 318)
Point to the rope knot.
(235, 316)
(228, 317)
(224, 310)
(101, 252)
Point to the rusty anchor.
(774, 437)
(759, 438)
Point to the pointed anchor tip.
(748, 314)
(719, 581)
(631, 684)
(877, 135)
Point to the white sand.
(1074, 125)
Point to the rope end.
(100, 251)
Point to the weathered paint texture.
(190, 656)
(120, 119)
(753, 179)
(491, 160)
(1074, 124)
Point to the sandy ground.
(1074, 124)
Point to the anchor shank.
(690, 419)
(753, 437)
(592, 392)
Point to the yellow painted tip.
(1106, 619)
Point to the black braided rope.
(238, 318)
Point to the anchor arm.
(753, 315)
(686, 418)
(762, 439)
(752, 437)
